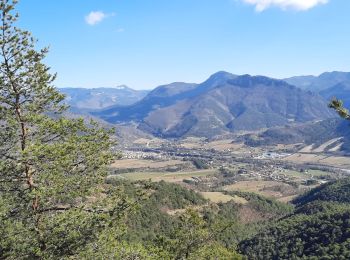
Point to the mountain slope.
(98, 98)
(244, 103)
(162, 96)
(311, 133)
(321, 82)
(341, 91)
(224, 103)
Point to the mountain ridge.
(318, 83)
(223, 103)
(100, 98)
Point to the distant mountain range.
(224, 103)
(98, 98)
(321, 82)
(340, 90)
(328, 85)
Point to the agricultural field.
(219, 197)
(323, 159)
(139, 163)
(149, 141)
(301, 176)
(270, 189)
(227, 166)
(166, 176)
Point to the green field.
(303, 175)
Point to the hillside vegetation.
(319, 228)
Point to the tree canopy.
(53, 197)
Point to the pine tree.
(53, 198)
(193, 238)
(338, 106)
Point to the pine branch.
(338, 106)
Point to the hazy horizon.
(167, 83)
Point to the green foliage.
(323, 235)
(318, 206)
(215, 251)
(152, 225)
(337, 105)
(193, 238)
(175, 196)
(226, 218)
(124, 251)
(151, 218)
(199, 163)
(337, 191)
(264, 205)
(54, 201)
(318, 229)
(226, 173)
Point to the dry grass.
(138, 163)
(319, 149)
(166, 176)
(307, 149)
(219, 197)
(146, 141)
(287, 199)
(322, 147)
(223, 145)
(250, 186)
(337, 161)
(249, 215)
(271, 189)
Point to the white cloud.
(95, 17)
(300, 5)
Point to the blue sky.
(146, 43)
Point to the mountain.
(223, 103)
(330, 135)
(321, 82)
(341, 91)
(160, 97)
(99, 98)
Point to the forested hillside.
(319, 228)
(159, 219)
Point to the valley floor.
(281, 172)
